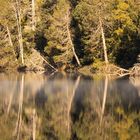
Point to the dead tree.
(70, 38)
(103, 41)
(10, 41)
(11, 98)
(17, 10)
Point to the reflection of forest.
(64, 107)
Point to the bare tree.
(103, 41)
(68, 18)
(17, 10)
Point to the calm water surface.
(68, 107)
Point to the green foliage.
(58, 45)
(56, 19)
(124, 35)
(98, 64)
(84, 15)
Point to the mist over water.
(68, 107)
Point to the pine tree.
(92, 17)
(125, 32)
(60, 42)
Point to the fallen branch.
(113, 70)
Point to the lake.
(35, 106)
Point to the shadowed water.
(68, 107)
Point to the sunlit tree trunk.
(33, 15)
(9, 36)
(104, 42)
(17, 10)
(10, 40)
(70, 38)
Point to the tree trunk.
(9, 36)
(20, 38)
(10, 41)
(33, 15)
(104, 42)
(70, 39)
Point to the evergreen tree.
(92, 17)
(60, 43)
(125, 35)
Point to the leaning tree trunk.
(9, 37)
(10, 41)
(103, 41)
(70, 38)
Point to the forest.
(69, 33)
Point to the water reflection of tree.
(72, 109)
(87, 124)
(126, 124)
(18, 107)
(56, 113)
(7, 114)
(117, 122)
(136, 82)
